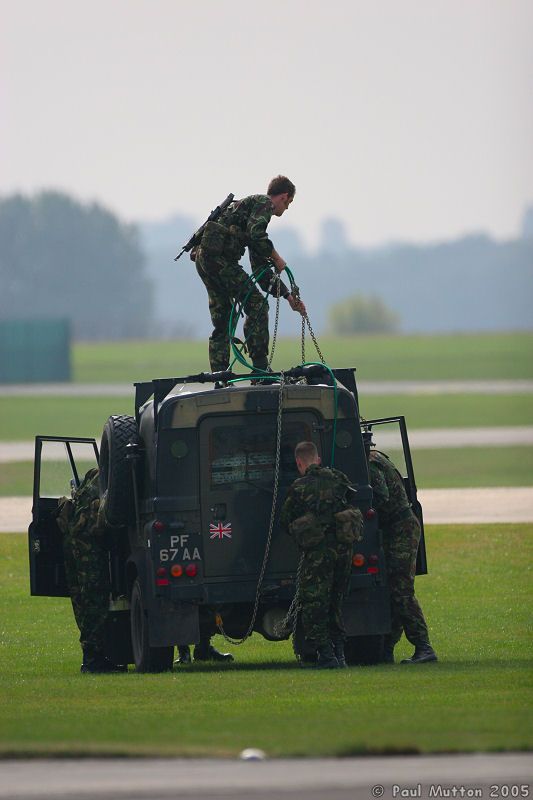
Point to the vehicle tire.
(363, 650)
(146, 658)
(116, 485)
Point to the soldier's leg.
(238, 284)
(315, 592)
(95, 586)
(341, 577)
(71, 574)
(407, 610)
(219, 297)
(219, 345)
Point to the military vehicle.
(193, 483)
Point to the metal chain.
(313, 337)
(275, 333)
(287, 625)
(277, 463)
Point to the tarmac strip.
(441, 506)
(478, 775)
(364, 388)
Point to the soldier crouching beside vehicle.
(401, 535)
(86, 555)
(318, 516)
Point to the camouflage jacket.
(249, 217)
(321, 490)
(80, 514)
(390, 498)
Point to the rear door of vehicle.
(237, 480)
(390, 436)
(60, 465)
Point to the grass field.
(21, 418)
(434, 469)
(466, 356)
(477, 600)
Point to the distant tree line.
(60, 258)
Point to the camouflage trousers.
(401, 545)
(323, 584)
(87, 573)
(227, 281)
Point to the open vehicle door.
(390, 436)
(60, 465)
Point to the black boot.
(422, 655)
(184, 654)
(206, 652)
(338, 649)
(326, 657)
(98, 664)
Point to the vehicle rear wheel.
(363, 650)
(146, 658)
(116, 484)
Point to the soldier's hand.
(192, 254)
(297, 305)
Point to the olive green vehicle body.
(188, 482)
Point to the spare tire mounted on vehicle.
(116, 485)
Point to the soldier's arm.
(379, 485)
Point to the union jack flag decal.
(220, 530)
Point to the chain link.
(277, 463)
(275, 333)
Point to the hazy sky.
(407, 119)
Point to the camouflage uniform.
(401, 535)
(326, 565)
(244, 224)
(86, 563)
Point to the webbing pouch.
(307, 531)
(349, 526)
(214, 238)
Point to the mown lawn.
(21, 418)
(438, 357)
(434, 469)
(477, 599)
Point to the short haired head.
(305, 454)
(281, 185)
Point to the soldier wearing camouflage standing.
(87, 569)
(318, 516)
(401, 535)
(243, 224)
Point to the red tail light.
(158, 526)
(176, 571)
(191, 570)
(373, 559)
(370, 513)
(358, 560)
(372, 570)
(161, 577)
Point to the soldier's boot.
(338, 649)
(422, 655)
(388, 653)
(326, 657)
(97, 663)
(204, 651)
(184, 654)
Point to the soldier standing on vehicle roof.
(319, 518)
(86, 556)
(401, 535)
(243, 224)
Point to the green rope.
(238, 356)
